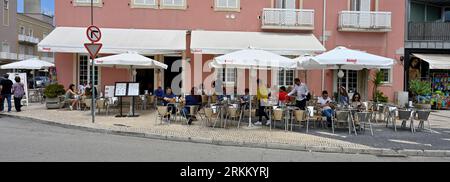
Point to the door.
(170, 75)
(288, 15)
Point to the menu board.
(109, 91)
(120, 90)
(133, 89)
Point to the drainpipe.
(323, 38)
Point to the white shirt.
(299, 91)
(323, 102)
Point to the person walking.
(18, 92)
(262, 97)
(301, 92)
(6, 85)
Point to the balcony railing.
(294, 19)
(429, 31)
(26, 56)
(28, 39)
(48, 59)
(8, 55)
(365, 21)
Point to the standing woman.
(18, 91)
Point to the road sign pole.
(93, 91)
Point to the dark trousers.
(262, 113)
(301, 104)
(17, 103)
(6, 97)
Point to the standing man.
(300, 91)
(6, 85)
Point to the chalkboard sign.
(120, 90)
(133, 89)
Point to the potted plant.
(421, 93)
(52, 95)
(377, 81)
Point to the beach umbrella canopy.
(129, 60)
(347, 59)
(253, 59)
(29, 64)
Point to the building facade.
(8, 34)
(215, 27)
(427, 43)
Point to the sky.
(48, 6)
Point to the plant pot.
(53, 103)
(423, 106)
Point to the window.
(22, 31)
(447, 15)
(30, 50)
(227, 5)
(360, 5)
(285, 77)
(5, 47)
(285, 4)
(85, 70)
(386, 75)
(97, 3)
(21, 49)
(350, 80)
(30, 32)
(228, 75)
(173, 4)
(144, 4)
(6, 4)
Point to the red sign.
(93, 48)
(352, 60)
(93, 33)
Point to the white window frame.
(237, 9)
(30, 32)
(143, 5)
(97, 3)
(163, 5)
(226, 80)
(282, 75)
(390, 73)
(359, 6)
(89, 71)
(22, 30)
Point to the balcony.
(431, 31)
(26, 56)
(288, 19)
(365, 21)
(28, 39)
(8, 55)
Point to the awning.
(223, 42)
(115, 41)
(436, 61)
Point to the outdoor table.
(350, 119)
(289, 115)
(176, 105)
(269, 106)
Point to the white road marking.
(331, 134)
(446, 139)
(409, 142)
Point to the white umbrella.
(348, 59)
(253, 59)
(29, 64)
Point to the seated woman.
(72, 95)
(356, 102)
(282, 95)
(190, 100)
(169, 98)
(344, 96)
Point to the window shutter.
(279, 4)
(289, 4)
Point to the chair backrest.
(101, 104)
(193, 110)
(162, 110)
(232, 112)
(381, 108)
(342, 115)
(208, 112)
(310, 110)
(364, 116)
(423, 115)
(277, 114)
(214, 99)
(366, 106)
(204, 99)
(299, 115)
(404, 115)
(88, 102)
(150, 99)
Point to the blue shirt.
(192, 100)
(170, 96)
(159, 93)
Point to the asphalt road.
(23, 140)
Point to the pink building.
(196, 31)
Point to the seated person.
(72, 95)
(190, 100)
(282, 95)
(88, 91)
(159, 93)
(223, 95)
(356, 102)
(344, 96)
(325, 103)
(245, 99)
(168, 98)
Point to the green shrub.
(420, 88)
(380, 97)
(54, 90)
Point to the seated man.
(190, 100)
(326, 105)
(245, 99)
(168, 98)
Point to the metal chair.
(342, 117)
(422, 116)
(210, 116)
(278, 116)
(233, 113)
(87, 104)
(301, 116)
(404, 115)
(364, 118)
(101, 104)
(390, 115)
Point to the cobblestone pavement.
(438, 139)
